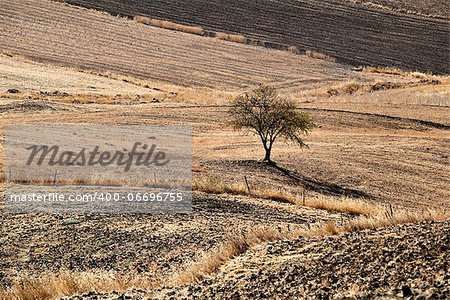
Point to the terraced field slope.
(68, 35)
(352, 33)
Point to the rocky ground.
(144, 244)
(404, 261)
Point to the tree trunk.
(268, 152)
(268, 148)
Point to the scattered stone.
(384, 86)
(357, 69)
(55, 93)
(332, 93)
(406, 290)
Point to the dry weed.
(235, 246)
(68, 283)
(236, 38)
(169, 25)
(52, 286)
(318, 55)
(293, 49)
(404, 73)
(343, 205)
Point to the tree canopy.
(267, 114)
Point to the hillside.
(374, 264)
(354, 34)
(66, 35)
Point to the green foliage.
(270, 116)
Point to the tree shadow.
(322, 187)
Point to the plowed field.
(67, 35)
(354, 34)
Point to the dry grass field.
(361, 213)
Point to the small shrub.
(169, 25)
(237, 38)
(331, 228)
(293, 49)
(319, 55)
(143, 20)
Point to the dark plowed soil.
(354, 34)
(392, 263)
(149, 244)
(404, 262)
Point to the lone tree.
(269, 116)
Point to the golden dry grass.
(160, 183)
(169, 25)
(319, 55)
(53, 286)
(343, 205)
(236, 38)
